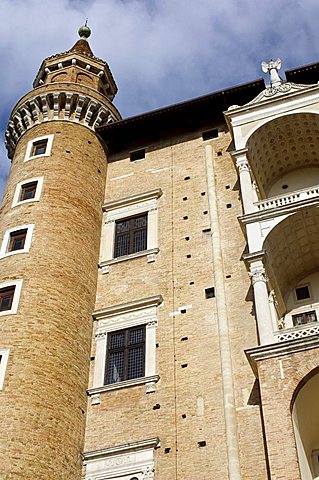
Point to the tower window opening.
(137, 155)
(17, 240)
(303, 318)
(6, 298)
(125, 355)
(130, 235)
(302, 293)
(28, 191)
(39, 147)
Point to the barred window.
(125, 355)
(130, 235)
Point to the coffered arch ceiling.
(282, 145)
(292, 249)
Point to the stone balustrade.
(287, 199)
(301, 331)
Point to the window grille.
(125, 355)
(130, 235)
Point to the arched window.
(305, 415)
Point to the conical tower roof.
(82, 45)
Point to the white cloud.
(160, 51)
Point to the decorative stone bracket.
(69, 106)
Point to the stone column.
(150, 364)
(246, 187)
(272, 305)
(100, 355)
(263, 312)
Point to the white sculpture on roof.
(272, 68)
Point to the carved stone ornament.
(148, 473)
(150, 387)
(242, 165)
(257, 275)
(279, 90)
(69, 106)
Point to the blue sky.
(160, 51)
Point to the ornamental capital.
(242, 164)
(257, 274)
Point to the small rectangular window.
(130, 235)
(137, 155)
(303, 318)
(17, 240)
(209, 134)
(302, 293)
(28, 191)
(6, 298)
(39, 147)
(125, 355)
(210, 292)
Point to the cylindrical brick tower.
(50, 228)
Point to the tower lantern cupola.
(72, 86)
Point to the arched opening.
(305, 416)
(283, 154)
(292, 263)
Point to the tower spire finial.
(84, 31)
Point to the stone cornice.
(126, 307)
(120, 449)
(263, 352)
(64, 105)
(140, 197)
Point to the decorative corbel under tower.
(50, 225)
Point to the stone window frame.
(4, 354)
(7, 236)
(30, 145)
(124, 208)
(118, 317)
(18, 189)
(16, 296)
(122, 462)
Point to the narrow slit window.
(6, 298)
(130, 235)
(125, 355)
